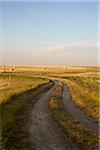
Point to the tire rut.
(44, 132)
(77, 113)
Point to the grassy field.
(16, 93)
(17, 96)
(13, 84)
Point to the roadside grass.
(84, 139)
(15, 113)
(17, 83)
(85, 93)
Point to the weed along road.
(43, 131)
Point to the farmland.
(33, 99)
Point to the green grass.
(15, 109)
(84, 139)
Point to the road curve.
(43, 130)
(77, 113)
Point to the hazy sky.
(48, 33)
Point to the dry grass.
(85, 93)
(13, 84)
(50, 68)
(16, 92)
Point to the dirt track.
(43, 131)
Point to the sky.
(49, 33)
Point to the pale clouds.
(59, 47)
(56, 53)
(64, 53)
